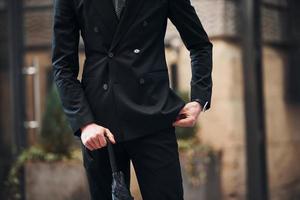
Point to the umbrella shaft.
(112, 157)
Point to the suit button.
(105, 86)
(145, 23)
(111, 54)
(96, 29)
(142, 81)
(136, 51)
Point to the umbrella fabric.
(120, 190)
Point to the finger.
(184, 119)
(110, 136)
(186, 122)
(96, 142)
(89, 146)
(184, 109)
(93, 144)
(177, 123)
(181, 116)
(102, 140)
(184, 125)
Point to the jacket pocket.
(160, 74)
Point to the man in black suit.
(124, 92)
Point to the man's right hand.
(93, 136)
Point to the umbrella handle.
(112, 156)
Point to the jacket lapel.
(131, 10)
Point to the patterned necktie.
(119, 5)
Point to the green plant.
(56, 134)
(32, 154)
(196, 159)
(54, 144)
(185, 133)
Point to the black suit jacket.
(125, 85)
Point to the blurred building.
(38, 40)
(222, 126)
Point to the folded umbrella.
(120, 190)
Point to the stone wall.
(283, 129)
(57, 180)
(223, 125)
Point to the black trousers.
(155, 160)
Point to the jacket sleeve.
(65, 64)
(183, 15)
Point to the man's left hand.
(188, 115)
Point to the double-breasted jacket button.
(136, 51)
(145, 23)
(111, 54)
(105, 86)
(96, 29)
(142, 80)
